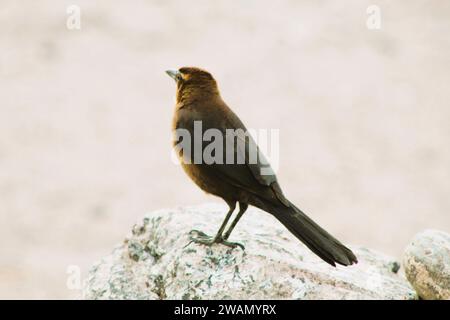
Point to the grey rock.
(156, 261)
(427, 264)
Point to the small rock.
(427, 264)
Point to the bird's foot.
(207, 240)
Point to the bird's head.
(193, 83)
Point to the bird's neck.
(189, 94)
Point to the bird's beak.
(173, 74)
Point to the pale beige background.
(85, 119)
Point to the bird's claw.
(207, 240)
(200, 233)
(233, 244)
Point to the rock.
(427, 264)
(156, 262)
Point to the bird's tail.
(313, 236)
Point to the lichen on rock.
(156, 261)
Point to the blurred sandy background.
(85, 119)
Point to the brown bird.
(198, 99)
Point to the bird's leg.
(242, 208)
(203, 238)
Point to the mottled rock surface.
(427, 264)
(156, 262)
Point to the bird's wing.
(253, 173)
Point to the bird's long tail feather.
(313, 236)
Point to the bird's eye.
(179, 77)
